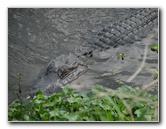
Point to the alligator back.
(131, 29)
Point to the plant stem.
(143, 61)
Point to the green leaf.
(38, 101)
(67, 90)
(39, 92)
(52, 113)
(140, 112)
(71, 117)
(96, 102)
(148, 117)
(121, 56)
(154, 47)
(28, 97)
(98, 89)
(26, 117)
(71, 100)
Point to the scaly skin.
(128, 31)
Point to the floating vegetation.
(120, 56)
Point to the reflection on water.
(37, 35)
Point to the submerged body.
(66, 68)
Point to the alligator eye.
(63, 71)
(50, 67)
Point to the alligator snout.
(63, 70)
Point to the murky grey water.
(37, 35)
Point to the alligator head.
(63, 70)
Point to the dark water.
(37, 35)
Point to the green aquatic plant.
(100, 104)
(120, 56)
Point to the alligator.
(66, 68)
